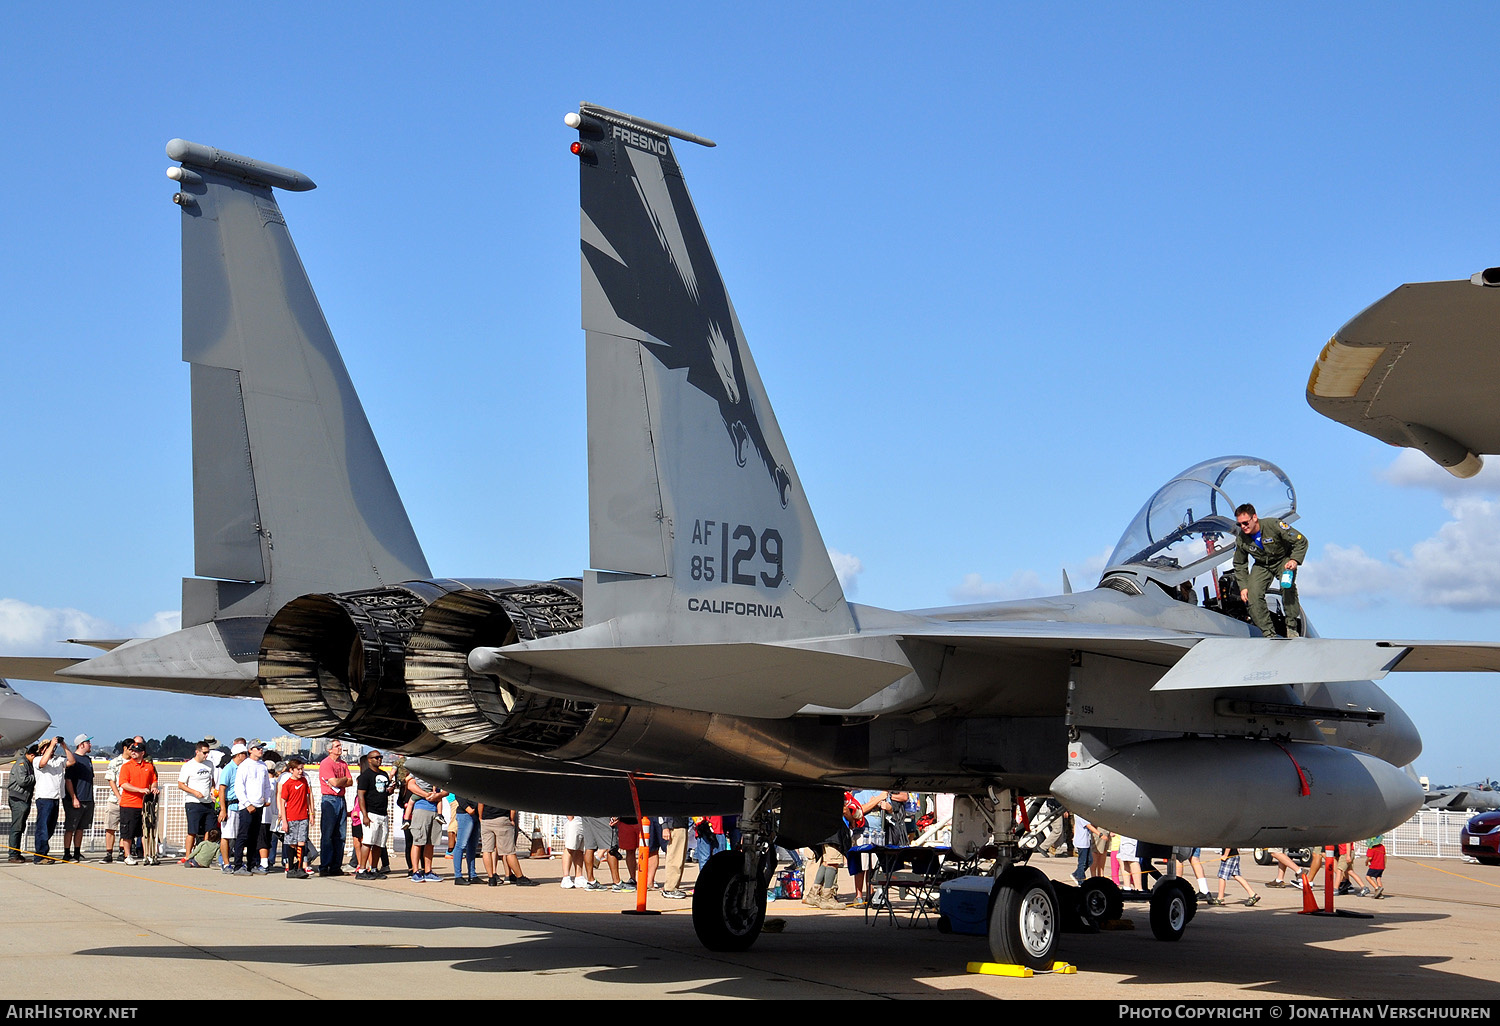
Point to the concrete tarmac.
(120, 932)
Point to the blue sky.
(1005, 270)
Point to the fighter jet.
(21, 720)
(1420, 368)
(1476, 797)
(709, 654)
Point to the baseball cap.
(258, 743)
(237, 749)
(81, 738)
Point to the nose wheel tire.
(1025, 919)
(1099, 900)
(1173, 905)
(729, 908)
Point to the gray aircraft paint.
(290, 491)
(689, 475)
(1420, 367)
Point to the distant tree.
(173, 748)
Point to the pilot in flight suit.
(1274, 547)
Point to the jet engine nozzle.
(1240, 792)
(335, 664)
(391, 666)
(462, 706)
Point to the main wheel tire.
(1025, 919)
(719, 919)
(1072, 914)
(1099, 900)
(1172, 907)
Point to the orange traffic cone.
(1309, 901)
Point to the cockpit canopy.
(1188, 525)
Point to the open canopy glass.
(1188, 523)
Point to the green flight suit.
(1278, 543)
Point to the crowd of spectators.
(249, 811)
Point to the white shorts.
(377, 831)
(1127, 850)
(230, 828)
(573, 834)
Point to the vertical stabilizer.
(698, 526)
(290, 491)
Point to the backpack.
(22, 778)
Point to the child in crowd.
(1375, 864)
(1229, 869)
(203, 853)
(295, 807)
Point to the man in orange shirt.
(137, 779)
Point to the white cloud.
(974, 588)
(1085, 575)
(162, 623)
(1410, 469)
(1347, 573)
(27, 630)
(1457, 568)
(848, 568)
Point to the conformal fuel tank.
(1239, 792)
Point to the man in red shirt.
(137, 779)
(333, 778)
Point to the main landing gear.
(729, 899)
(1029, 912)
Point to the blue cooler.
(964, 905)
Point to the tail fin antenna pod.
(698, 526)
(290, 491)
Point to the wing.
(1419, 368)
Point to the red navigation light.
(583, 150)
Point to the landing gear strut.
(729, 899)
(1026, 914)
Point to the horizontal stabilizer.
(762, 680)
(103, 644)
(43, 668)
(196, 661)
(1256, 662)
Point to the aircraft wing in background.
(1420, 368)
